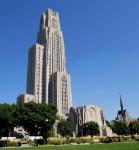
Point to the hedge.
(7, 143)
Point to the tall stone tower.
(47, 77)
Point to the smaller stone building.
(81, 115)
(25, 98)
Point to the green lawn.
(115, 146)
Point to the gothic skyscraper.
(47, 77)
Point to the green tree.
(90, 128)
(64, 128)
(35, 118)
(108, 124)
(134, 127)
(120, 128)
(6, 119)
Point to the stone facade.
(34, 76)
(81, 115)
(60, 92)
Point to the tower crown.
(50, 19)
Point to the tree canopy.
(6, 118)
(120, 128)
(35, 118)
(90, 128)
(134, 127)
(64, 128)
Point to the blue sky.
(102, 49)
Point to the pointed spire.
(121, 103)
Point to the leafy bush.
(126, 139)
(132, 137)
(72, 140)
(39, 141)
(68, 140)
(7, 143)
(115, 139)
(31, 142)
(84, 140)
(12, 143)
(54, 141)
(19, 144)
(58, 141)
(101, 140)
(136, 137)
(78, 141)
(95, 140)
(3, 143)
(106, 140)
(64, 141)
(137, 140)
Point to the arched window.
(92, 114)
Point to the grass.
(113, 146)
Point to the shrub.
(31, 142)
(106, 140)
(126, 139)
(12, 143)
(39, 141)
(7, 143)
(19, 144)
(78, 141)
(68, 140)
(101, 140)
(137, 140)
(54, 141)
(64, 141)
(136, 137)
(84, 140)
(3, 143)
(132, 137)
(115, 139)
(72, 140)
(95, 140)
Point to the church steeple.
(121, 103)
(122, 115)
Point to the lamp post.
(35, 132)
(46, 127)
